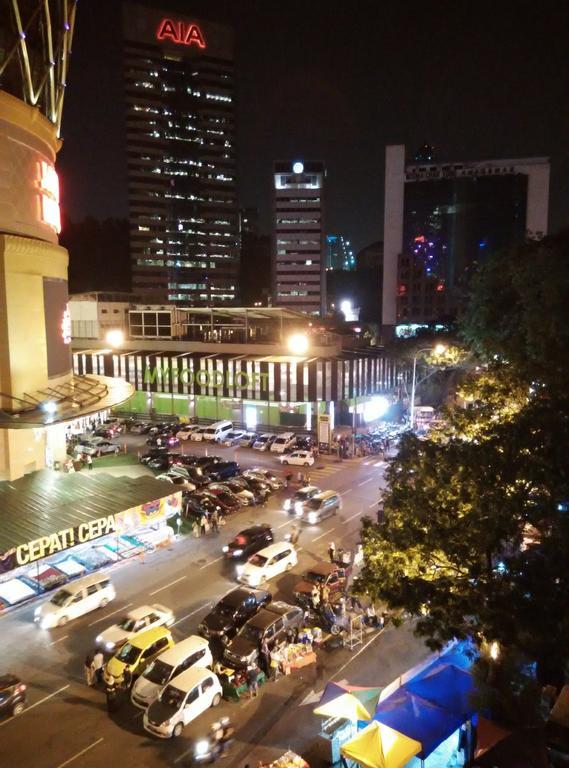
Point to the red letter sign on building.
(180, 33)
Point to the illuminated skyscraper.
(339, 254)
(183, 218)
(299, 256)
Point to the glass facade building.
(183, 217)
(339, 254)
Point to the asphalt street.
(67, 724)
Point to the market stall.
(288, 760)
(379, 746)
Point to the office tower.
(183, 219)
(339, 254)
(299, 256)
(441, 219)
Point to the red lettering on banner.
(180, 33)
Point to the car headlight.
(298, 507)
(45, 623)
(225, 548)
(237, 552)
(287, 504)
(99, 639)
(239, 570)
(37, 611)
(312, 517)
(110, 646)
(201, 748)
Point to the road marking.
(171, 584)
(217, 559)
(71, 759)
(182, 756)
(283, 525)
(344, 493)
(108, 615)
(187, 616)
(366, 481)
(324, 534)
(41, 701)
(60, 639)
(347, 520)
(375, 503)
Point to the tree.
(454, 548)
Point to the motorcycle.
(214, 746)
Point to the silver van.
(74, 600)
(217, 431)
(321, 506)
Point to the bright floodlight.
(50, 406)
(298, 167)
(298, 343)
(115, 338)
(375, 408)
(440, 349)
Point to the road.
(66, 723)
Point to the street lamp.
(298, 343)
(115, 338)
(439, 349)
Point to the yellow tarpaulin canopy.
(346, 706)
(379, 746)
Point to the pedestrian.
(265, 658)
(214, 521)
(325, 594)
(288, 479)
(275, 663)
(315, 597)
(98, 665)
(127, 678)
(89, 461)
(195, 530)
(371, 616)
(89, 670)
(253, 681)
(307, 479)
(114, 699)
(332, 551)
(203, 525)
(294, 535)
(286, 482)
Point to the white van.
(74, 600)
(184, 698)
(284, 442)
(192, 652)
(217, 431)
(267, 563)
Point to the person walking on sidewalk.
(294, 535)
(98, 664)
(89, 670)
(214, 521)
(89, 461)
(203, 525)
(332, 551)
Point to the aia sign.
(180, 32)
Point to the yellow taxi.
(137, 653)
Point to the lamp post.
(439, 349)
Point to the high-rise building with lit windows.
(339, 253)
(299, 258)
(180, 129)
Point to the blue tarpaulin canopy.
(448, 687)
(418, 718)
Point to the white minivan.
(192, 652)
(284, 442)
(184, 698)
(217, 431)
(74, 600)
(267, 563)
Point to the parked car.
(193, 651)
(259, 487)
(194, 474)
(140, 427)
(232, 611)
(225, 499)
(298, 459)
(152, 453)
(13, 695)
(245, 497)
(264, 442)
(248, 439)
(106, 432)
(266, 476)
(137, 653)
(186, 431)
(283, 442)
(184, 698)
(321, 506)
(133, 623)
(233, 437)
(222, 470)
(331, 575)
(163, 439)
(203, 461)
(270, 624)
(75, 599)
(176, 479)
(199, 503)
(267, 563)
(296, 505)
(248, 541)
(160, 461)
(217, 431)
(98, 447)
(198, 434)
(304, 443)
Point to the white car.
(233, 437)
(298, 459)
(266, 476)
(193, 651)
(136, 621)
(264, 442)
(98, 446)
(177, 479)
(187, 431)
(184, 698)
(198, 434)
(267, 563)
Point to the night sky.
(337, 81)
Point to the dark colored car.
(203, 461)
(195, 474)
(12, 695)
(270, 624)
(227, 501)
(221, 470)
(187, 459)
(139, 427)
(152, 454)
(163, 439)
(161, 461)
(259, 487)
(248, 541)
(232, 611)
(198, 504)
(304, 443)
(331, 575)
